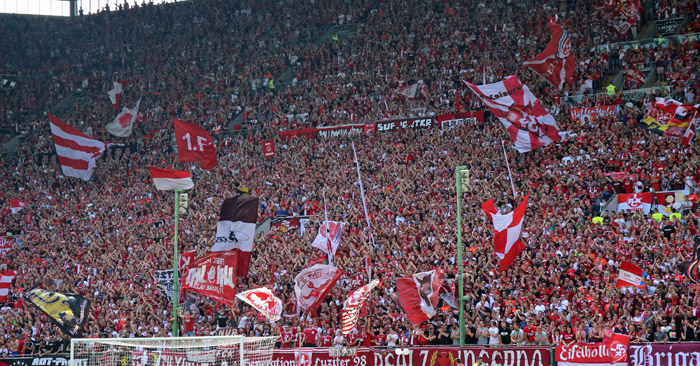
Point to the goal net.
(176, 351)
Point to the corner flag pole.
(176, 282)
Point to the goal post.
(172, 351)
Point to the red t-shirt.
(530, 332)
(311, 335)
(286, 339)
(367, 338)
(189, 323)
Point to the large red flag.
(194, 143)
(419, 295)
(213, 276)
(506, 239)
(556, 63)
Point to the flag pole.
(176, 287)
(325, 232)
(510, 176)
(460, 265)
(364, 206)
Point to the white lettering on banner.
(341, 131)
(646, 356)
(456, 122)
(404, 124)
(392, 359)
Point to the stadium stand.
(247, 70)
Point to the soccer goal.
(175, 351)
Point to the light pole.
(460, 266)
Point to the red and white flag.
(77, 152)
(419, 295)
(264, 301)
(186, 259)
(5, 245)
(115, 95)
(123, 124)
(621, 14)
(529, 125)
(631, 275)
(235, 230)
(690, 131)
(556, 63)
(612, 353)
(194, 143)
(268, 148)
(313, 284)
(634, 78)
(304, 356)
(408, 92)
(167, 180)
(6, 278)
(330, 239)
(213, 276)
(635, 202)
(506, 228)
(16, 205)
(353, 304)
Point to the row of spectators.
(205, 61)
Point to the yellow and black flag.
(69, 311)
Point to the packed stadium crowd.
(209, 61)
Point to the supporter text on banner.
(588, 114)
(450, 120)
(195, 144)
(676, 354)
(213, 276)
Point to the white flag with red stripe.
(530, 126)
(115, 95)
(123, 124)
(17, 205)
(264, 301)
(353, 304)
(506, 238)
(5, 284)
(166, 179)
(77, 152)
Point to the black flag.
(69, 311)
(690, 268)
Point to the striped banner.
(353, 304)
(77, 152)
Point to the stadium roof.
(62, 7)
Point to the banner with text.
(589, 113)
(451, 120)
(669, 27)
(677, 354)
